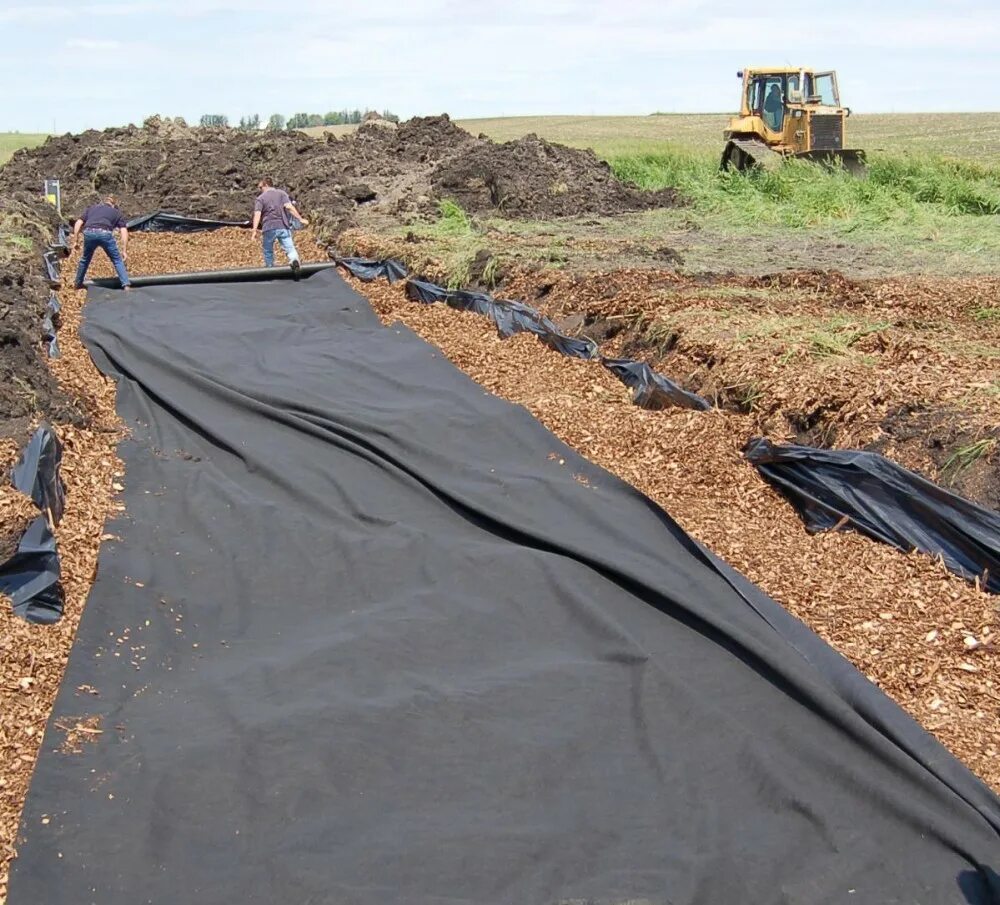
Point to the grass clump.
(456, 241)
(452, 219)
(966, 456)
(12, 244)
(905, 194)
(839, 336)
(959, 186)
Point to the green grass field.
(973, 136)
(12, 141)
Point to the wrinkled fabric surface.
(372, 635)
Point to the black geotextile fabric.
(843, 488)
(167, 222)
(369, 634)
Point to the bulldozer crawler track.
(746, 154)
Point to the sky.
(68, 66)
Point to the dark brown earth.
(381, 173)
(27, 388)
(531, 178)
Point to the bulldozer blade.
(850, 159)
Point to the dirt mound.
(165, 127)
(382, 172)
(533, 178)
(27, 388)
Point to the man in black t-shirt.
(98, 223)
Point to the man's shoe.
(78, 286)
(296, 269)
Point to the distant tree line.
(276, 122)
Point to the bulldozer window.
(774, 102)
(824, 88)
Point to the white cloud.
(92, 44)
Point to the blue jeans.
(284, 237)
(99, 238)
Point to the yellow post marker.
(52, 194)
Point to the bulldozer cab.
(773, 97)
(787, 111)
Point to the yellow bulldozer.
(789, 112)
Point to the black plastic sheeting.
(369, 269)
(50, 259)
(390, 641)
(31, 576)
(60, 244)
(166, 222)
(508, 317)
(49, 325)
(37, 472)
(651, 390)
(871, 494)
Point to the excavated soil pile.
(379, 171)
(534, 179)
(27, 387)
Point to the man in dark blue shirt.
(99, 222)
